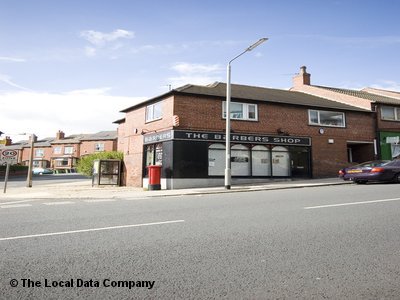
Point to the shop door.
(300, 164)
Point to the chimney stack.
(8, 141)
(303, 78)
(60, 135)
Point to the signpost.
(8, 157)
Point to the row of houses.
(62, 152)
(307, 131)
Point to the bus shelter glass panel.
(261, 164)
(106, 172)
(240, 160)
(216, 160)
(280, 161)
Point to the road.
(333, 242)
(20, 181)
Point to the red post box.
(154, 177)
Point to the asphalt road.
(335, 242)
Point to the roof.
(100, 136)
(373, 97)
(249, 93)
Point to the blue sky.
(73, 65)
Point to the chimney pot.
(303, 78)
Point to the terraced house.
(385, 106)
(62, 152)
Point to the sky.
(74, 65)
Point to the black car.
(378, 170)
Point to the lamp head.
(256, 44)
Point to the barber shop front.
(195, 158)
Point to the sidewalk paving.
(84, 190)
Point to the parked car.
(377, 170)
(41, 171)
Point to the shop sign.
(157, 137)
(242, 138)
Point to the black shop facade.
(197, 158)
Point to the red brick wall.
(386, 125)
(205, 113)
(130, 138)
(88, 147)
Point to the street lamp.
(228, 174)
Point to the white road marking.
(88, 230)
(15, 205)
(58, 203)
(353, 203)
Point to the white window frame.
(70, 150)
(246, 111)
(39, 152)
(99, 147)
(57, 150)
(318, 123)
(396, 113)
(154, 112)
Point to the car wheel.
(397, 178)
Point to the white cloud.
(195, 73)
(7, 80)
(90, 51)
(79, 111)
(12, 59)
(99, 39)
(187, 68)
(387, 85)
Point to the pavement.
(84, 190)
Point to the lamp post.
(30, 165)
(228, 174)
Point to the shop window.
(280, 161)
(154, 154)
(240, 160)
(216, 160)
(241, 111)
(153, 112)
(326, 118)
(261, 164)
(390, 113)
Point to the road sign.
(8, 156)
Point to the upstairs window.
(153, 112)
(57, 150)
(390, 113)
(326, 118)
(39, 152)
(241, 111)
(99, 147)
(68, 150)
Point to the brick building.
(275, 134)
(63, 152)
(385, 106)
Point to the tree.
(85, 164)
